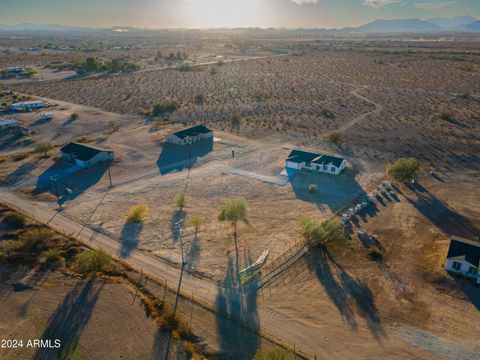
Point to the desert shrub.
(137, 214)
(52, 255)
(446, 116)
(10, 246)
(181, 200)
(93, 261)
(335, 138)
(34, 238)
(321, 233)
(44, 148)
(235, 121)
(14, 220)
(81, 139)
(326, 112)
(164, 106)
(190, 348)
(312, 189)
(74, 116)
(213, 71)
(274, 354)
(403, 169)
(184, 67)
(200, 99)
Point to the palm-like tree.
(233, 211)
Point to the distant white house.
(85, 155)
(463, 258)
(190, 135)
(27, 105)
(9, 123)
(298, 160)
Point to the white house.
(9, 123)
(298, 159)
(193, 134)
(85, 155)
(27, 105)
(463, 258)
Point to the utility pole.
(55, 179)
(109, 175)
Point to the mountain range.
(437, 24)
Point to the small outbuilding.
(463, 258)
(85, 155)
(298, 160)
(190, 135)
(27, 105)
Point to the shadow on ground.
(72, 177)
(334, 191)
(178, 157)
(69, 320)
(351, 296)
(441, 215)
(237, 303)
(471, 291)
(129, 238)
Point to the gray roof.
(299, 156)
(469, 249)
(192, 131)
(82, 152)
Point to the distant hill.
(472, 27)
(437, 24)
(452, 23)
(397, 25)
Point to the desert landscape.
(380, 291)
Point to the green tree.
(74, 116)
(233, 211)
(321, 233)
(403, 169)
(93, 261)
(196, 221)
(181, 201)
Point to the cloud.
(379, 3)
(434, 5)
(302, 2)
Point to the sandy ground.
(344, 304)
(52, 306)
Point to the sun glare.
(223, 13)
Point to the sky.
(159, 14)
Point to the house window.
(456, 266)
(473, 270)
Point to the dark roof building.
(299, 156)
(82, 152)
(190, 135)
(464, 249)
(193, 131)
